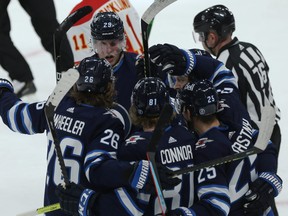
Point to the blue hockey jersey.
(174, 151)
(219, 142)
(211, 191)
(126, 78)
(89, 138)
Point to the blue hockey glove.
(5, 85)
(76, 200)
(175, 61)
(181, 211)
(261, 193)
(141, 177)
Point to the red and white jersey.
(79, 35)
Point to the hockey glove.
(139, 65)
(175, 61)
(5, 85)
(141, 177)
(76, 200)
(181, 211)
(261, 193)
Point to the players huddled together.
(106, 121)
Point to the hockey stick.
(146, 19)
(164, 118)
(265, 131)
(61, 31)
(63, 86)
(42, 210)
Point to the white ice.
(23, 157)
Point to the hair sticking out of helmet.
(149, 96)
(200, 97)
(218, 18)
(95, 74)
(107, 26)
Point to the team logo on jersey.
(71, 109)
(133, 139)
(172, 140)
(201, 143)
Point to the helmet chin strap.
(211, 49)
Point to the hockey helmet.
(200, 97)
(218, 18)
(107, 26)
(95, 74)
(149, 96)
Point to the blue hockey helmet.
(107, 26)
(95, 74)
(200, 97)
(218, 18)
(149, 96)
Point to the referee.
(213, 27)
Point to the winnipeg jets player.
(108, 38)
(90, 128)
(79, 35)
(198, 102)
(175, 150)
(186, 66)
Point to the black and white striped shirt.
(251, 71)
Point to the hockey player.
(174, 149)
(187, 66)
(148, 99)
(214, 27)
(108, 39)
(90, 128)
(79, 35)
(198, 102)
(190, 67)
(43, 19)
